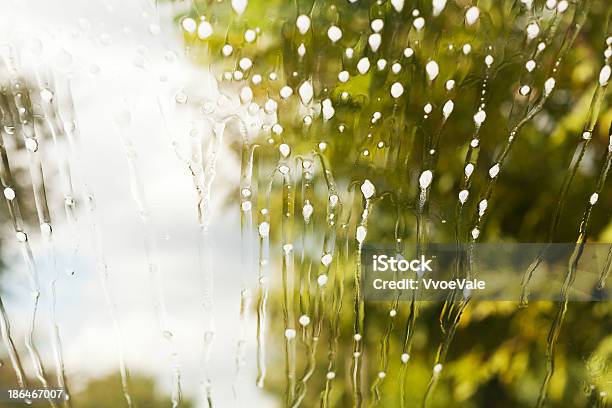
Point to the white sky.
(87, 42)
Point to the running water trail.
(342, 260)
(581, 240)
(247, 246)
(307, 197)
(368, 190)
(287, 276)
(204, 184)
(103, 271)
(50, 110)
(530, 112)
(51, 115)
(139, 195)
(23, 107)
(313, 324)
(376, 394)
(5, 331)
(453, 309)
(263, 280)
(75, 156)
(605, 271)
(579, 153)
(15, 213)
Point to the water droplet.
(330, 375)
(437, 368)
(361, 233)
(463, 195)
(246, 95)
(205, 30)
(46, 95)
(480, 117)
(180, 97)
(562, 6)
(245, 63)
(250, 35)
(277, 129)
(303, 23)
(472, 15)
(334, 33)
(46, 229)
(482, 207)
(285, 92)
(438, 6)
(363, 65)
(604, 75)
(525, 90)
(447, 109)
(432, 70)
(593, 199)
(9, 193)
(405, 357)
(301, 50)
(290, 333)
(368, 189)
(326, 259)
(397, 90)
(419, 23)
(469, 169)
(530, 65)
(31, 144)
(284, 149)
(270, 106)
(264, 229)
(304, 320)
(377, 25)
(322, 280)
(467, 48)
(475, 233)
(408, 52)
(425, 179)
(533, 30)
(239, 6)
(307, 211)
(549, 85)
(21, 236)
(398, 5)
(494, 170)
(333, 200)
(343, 76)
(328, 109)
(374, 41)
(306, 92)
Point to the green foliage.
(497, 357)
